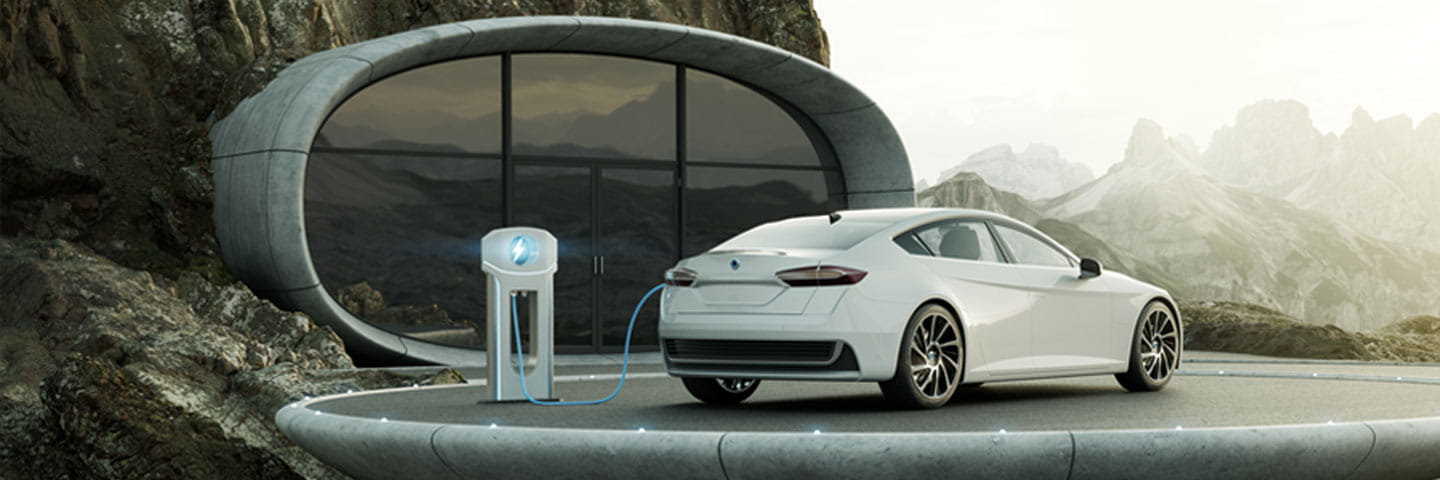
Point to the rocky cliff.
(111, 372)
(1381, 177)
(103, 128)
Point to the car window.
(911, 244)
(964, 240)
(1029, 250)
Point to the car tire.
(930, 362)
(1155, 348)
(721, 391)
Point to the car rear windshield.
(804, 233)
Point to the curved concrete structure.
(367, 447)
(259, 151)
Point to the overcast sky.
(958, 76)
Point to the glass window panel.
(728, 122)
(911, 244)
(637, 244)
(591, 105)
(559, 200)
(965, 240)
(722, 201)
(409, 229)
(1029, 250)
(446, 107)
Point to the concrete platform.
(1223, 416)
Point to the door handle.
(602, 265)
(595, 266)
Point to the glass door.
(561, 199)
(617, 232)
(636, 242)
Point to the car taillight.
(821, 276)
(680, 277)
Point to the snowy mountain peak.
(1040, 150)
(1286, 114)
(1429, 128)
(1037, 172)
(1147, 142)
(1361, 117)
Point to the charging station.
(521, 263)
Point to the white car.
(923, 301)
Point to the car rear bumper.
(836, 345)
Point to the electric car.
(922, 301)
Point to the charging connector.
(624, 366)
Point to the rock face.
(1036, 173)
(118, 373)
(1379, 177)
(1233, 244)
(103, 128)
(1253, 329)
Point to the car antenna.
(834, 217)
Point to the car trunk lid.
(744, 281)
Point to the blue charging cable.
(625, 366)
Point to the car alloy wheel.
(1159, 345)
(931, 361)
(1155, 349)
(721, 391)
(736, 385)
(935, 354)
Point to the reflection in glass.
(637, 241)
(396, 239)
(558, 199)
(589, 105)
(405, 178)
(723, 201)
(728, 122)
(446, 107)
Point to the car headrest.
(962, 243)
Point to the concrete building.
(636, 143)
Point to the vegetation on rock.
(1253, 329)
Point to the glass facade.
(631, 164)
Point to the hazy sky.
(958, 76)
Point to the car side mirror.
(1089, 268)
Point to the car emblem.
(734, 264)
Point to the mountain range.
(1166, 214)
(1380, 177)
(1035, 173)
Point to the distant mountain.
(1231, 243)
(1380, 177)
(1036, 173)
(968, 190)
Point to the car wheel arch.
(1174, 310)
(959, 320)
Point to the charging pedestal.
(520, 261)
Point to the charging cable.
(625, 366)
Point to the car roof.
(911, 215)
